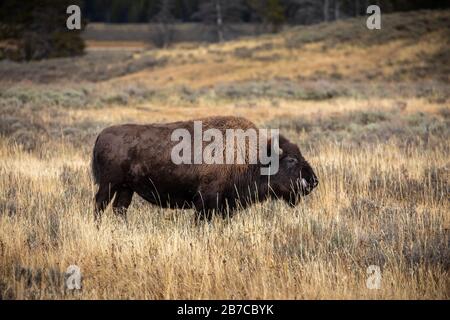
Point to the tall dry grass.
(381, 203)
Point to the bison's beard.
(294, 195)
(291, 197)
(294, 198)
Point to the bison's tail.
(94, 165)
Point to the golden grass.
(261, 113)
(219, 64)
(320, 249)
(117, 45)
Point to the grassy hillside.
(369, 110)
(409, 46)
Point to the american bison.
(132, 158)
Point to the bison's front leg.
(206, 205)
(202, 211)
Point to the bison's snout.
(306, 186)
(314, 182)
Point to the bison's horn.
(278, 150)
(275, 146)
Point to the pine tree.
(275, 14)
(219, 13)
(163, 24)
(39, 29)
(270, 12)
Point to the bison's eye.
(291, 161)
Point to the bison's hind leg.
(122, 201)
(103, 197)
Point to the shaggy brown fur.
(131, 158)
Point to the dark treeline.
(271, 11)
(36, 29)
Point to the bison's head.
(295, 177)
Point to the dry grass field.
(370, 110)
